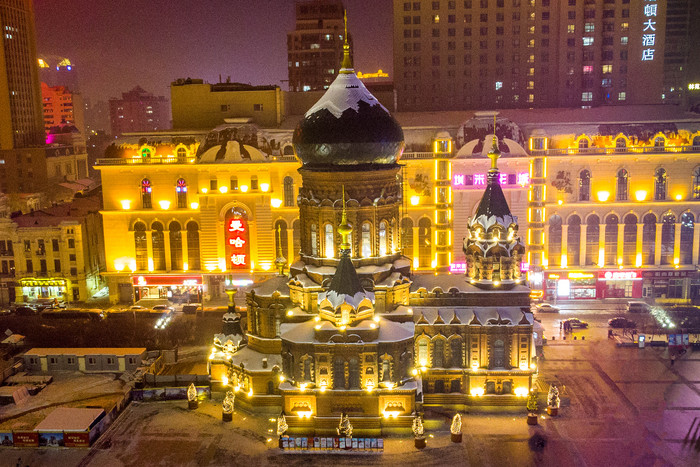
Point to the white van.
(638, 307)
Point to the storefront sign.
(237, 242)
(464, 181)
(147, 280)
(619, 276)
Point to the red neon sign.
(237, 242)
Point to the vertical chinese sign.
(237, 248)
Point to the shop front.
(177, 288)
(619, 283)
(35, 288)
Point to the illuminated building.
(354, 331)
(138, 110)
(454, 54)
(315, 46)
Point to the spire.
(344, 229)
(346, 65)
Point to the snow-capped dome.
(348, 127)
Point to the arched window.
(583, 143)
(668, 237)
(456, 352)
(629, 240)
(573, 241)
(696, 182)
(687, 227)
(175, 246)
(611, 223)
(438, 353)
(584, 186)
(181, 153)
(592, 239)
(146, 189)
(649, 239)
(313, 238)
(423, 352)
(620, 143)
(181, 190)
(234, 183)
(622, 185)
(141, 246)
(366, 240)
(425, 239)
(158, 246)
(281, 241)
(288, 191)
(382, 239)
(407, 237)
(660, 184)
(193, 262)
(354, 373)
(328, 241)
(554, 241)
(339, 373)
(296, 238)
(659, 142)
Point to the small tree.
(532, 407)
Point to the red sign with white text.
(237, 249)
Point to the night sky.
(118, 44)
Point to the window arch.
(649, 239)
(313, 238)
(629, 240)
(281, 240)
(622, 185)
(407, 237)
(181, 191)
(592, 239)
(668, 237)
(424, 243)
(554, 246)
(288, 191)
(584, 185)
(329, 241)
(140, 246)
(382, 239)
(660, 181)
(175, 234)
(687, 228)
(158, 246)
(366, 240)
(659, 142)
(583, 143)
(193, 261)
(573, 241)
(146, 190)
(611, 223)
(696, 182)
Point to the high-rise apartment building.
(315, 47)
(138, 110)
(465, 54)
(21, 122)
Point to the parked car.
(621, 322)
(547, 308)
(576, 323)
(638, 307)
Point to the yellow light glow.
(603, 196)
(194, 205)
(415, 200)
(264, 186)
(164, 204)
(679, 197)
(640, 195)
(601, 257)
(275, 202)
(223, 189)
(638, 260)
(204, 190)
(244, 188)
(126, 204)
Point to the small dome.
(348, 127)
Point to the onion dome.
(348, 127)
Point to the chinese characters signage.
(237, 249)
(649, 30)
(462, 181)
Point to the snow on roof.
(485, 316)
(69, 419)
(344, 93)
(252, 360)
